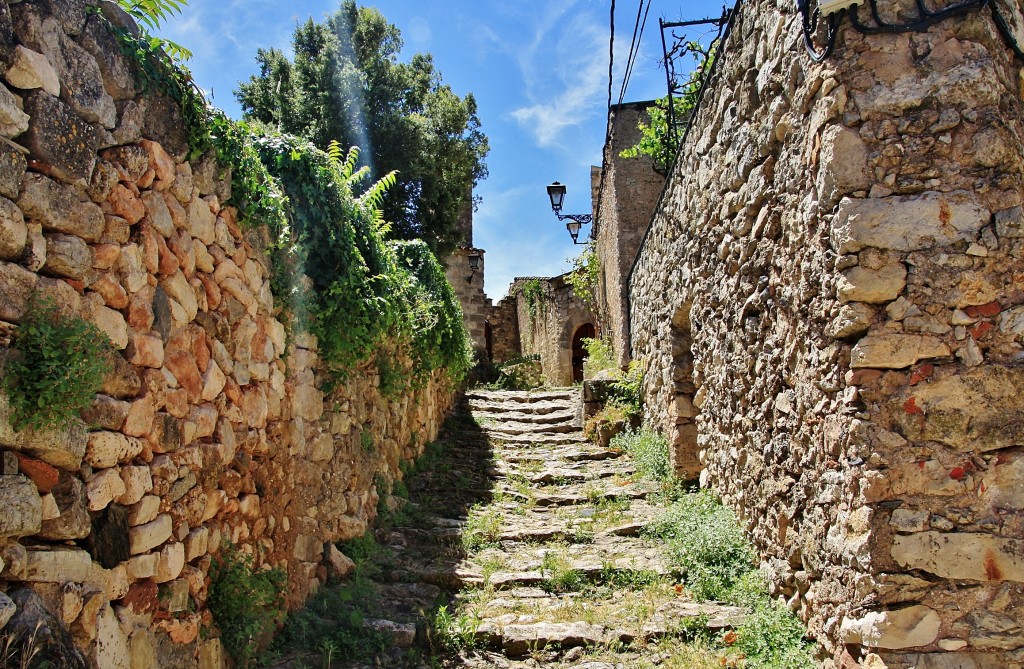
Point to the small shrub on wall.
(247, 604)
(56, 365)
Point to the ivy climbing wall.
(213, 425)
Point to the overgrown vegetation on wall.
(56, 364)
(362, 288)
(657, 139)
(346, 83)
(585, 275)
(536, 298)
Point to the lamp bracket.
(579, 218)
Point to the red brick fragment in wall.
(980, 330)
(43, 475)
(921, 373)
(984, 311)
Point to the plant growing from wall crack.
(56, 365)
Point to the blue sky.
(538, 69)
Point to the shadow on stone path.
(519, 546)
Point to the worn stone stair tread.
(536, 410)
(510, 428)
(517, 640)
(666, 618)
(567, 394)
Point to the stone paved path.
(529, 537)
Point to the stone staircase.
(530, 537)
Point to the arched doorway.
(489, 341)
(579, 354)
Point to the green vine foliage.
(56, 365)
(655, 137)
(536, 298)
(363, 296)
(585, 274)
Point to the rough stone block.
(13, 231)
(111, 643)
(172, 561)
(115, 68)
(58, 208)
(60, 448)
(73, 521)
(860, 284)
(30, 70)
(106, 449)
(968, 556)
(975, 411)
(13, 121)
(60, 138)
(910, 223)
(22, 508)
(896, 351)
(144, 538)
(67, 256)
(903, 628)
(16, 287)
(12, 171)
(102, 488)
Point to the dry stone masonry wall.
(213, 427)
(829, 303)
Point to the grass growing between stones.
(648, 449)
(706, 548)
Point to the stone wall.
(212, 427)
(828, 304)
(469, 288)
(504, 323)
(549, 331)
(628, 190)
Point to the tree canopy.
(347, 84)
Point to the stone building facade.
(213, 426)
(549, 325)
(829, 304)
(468, 284)
(626, 191)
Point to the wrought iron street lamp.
(556, 193)
(474, 265)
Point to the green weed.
(649, 451)
(247, 603)
(483, 528)
(56, 365)
(704, 544)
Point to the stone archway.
(579, 353)
(682, 410)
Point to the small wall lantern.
(556, 193)
(474, 261)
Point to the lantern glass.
(574, 230)
(474, 262)
(556, 192)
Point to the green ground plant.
(705, 545)
(649, 451)
(483, 528)
(56, 365)
(247, 604)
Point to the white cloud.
(566, 74)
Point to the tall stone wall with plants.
(828, 304)
(220, 420)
